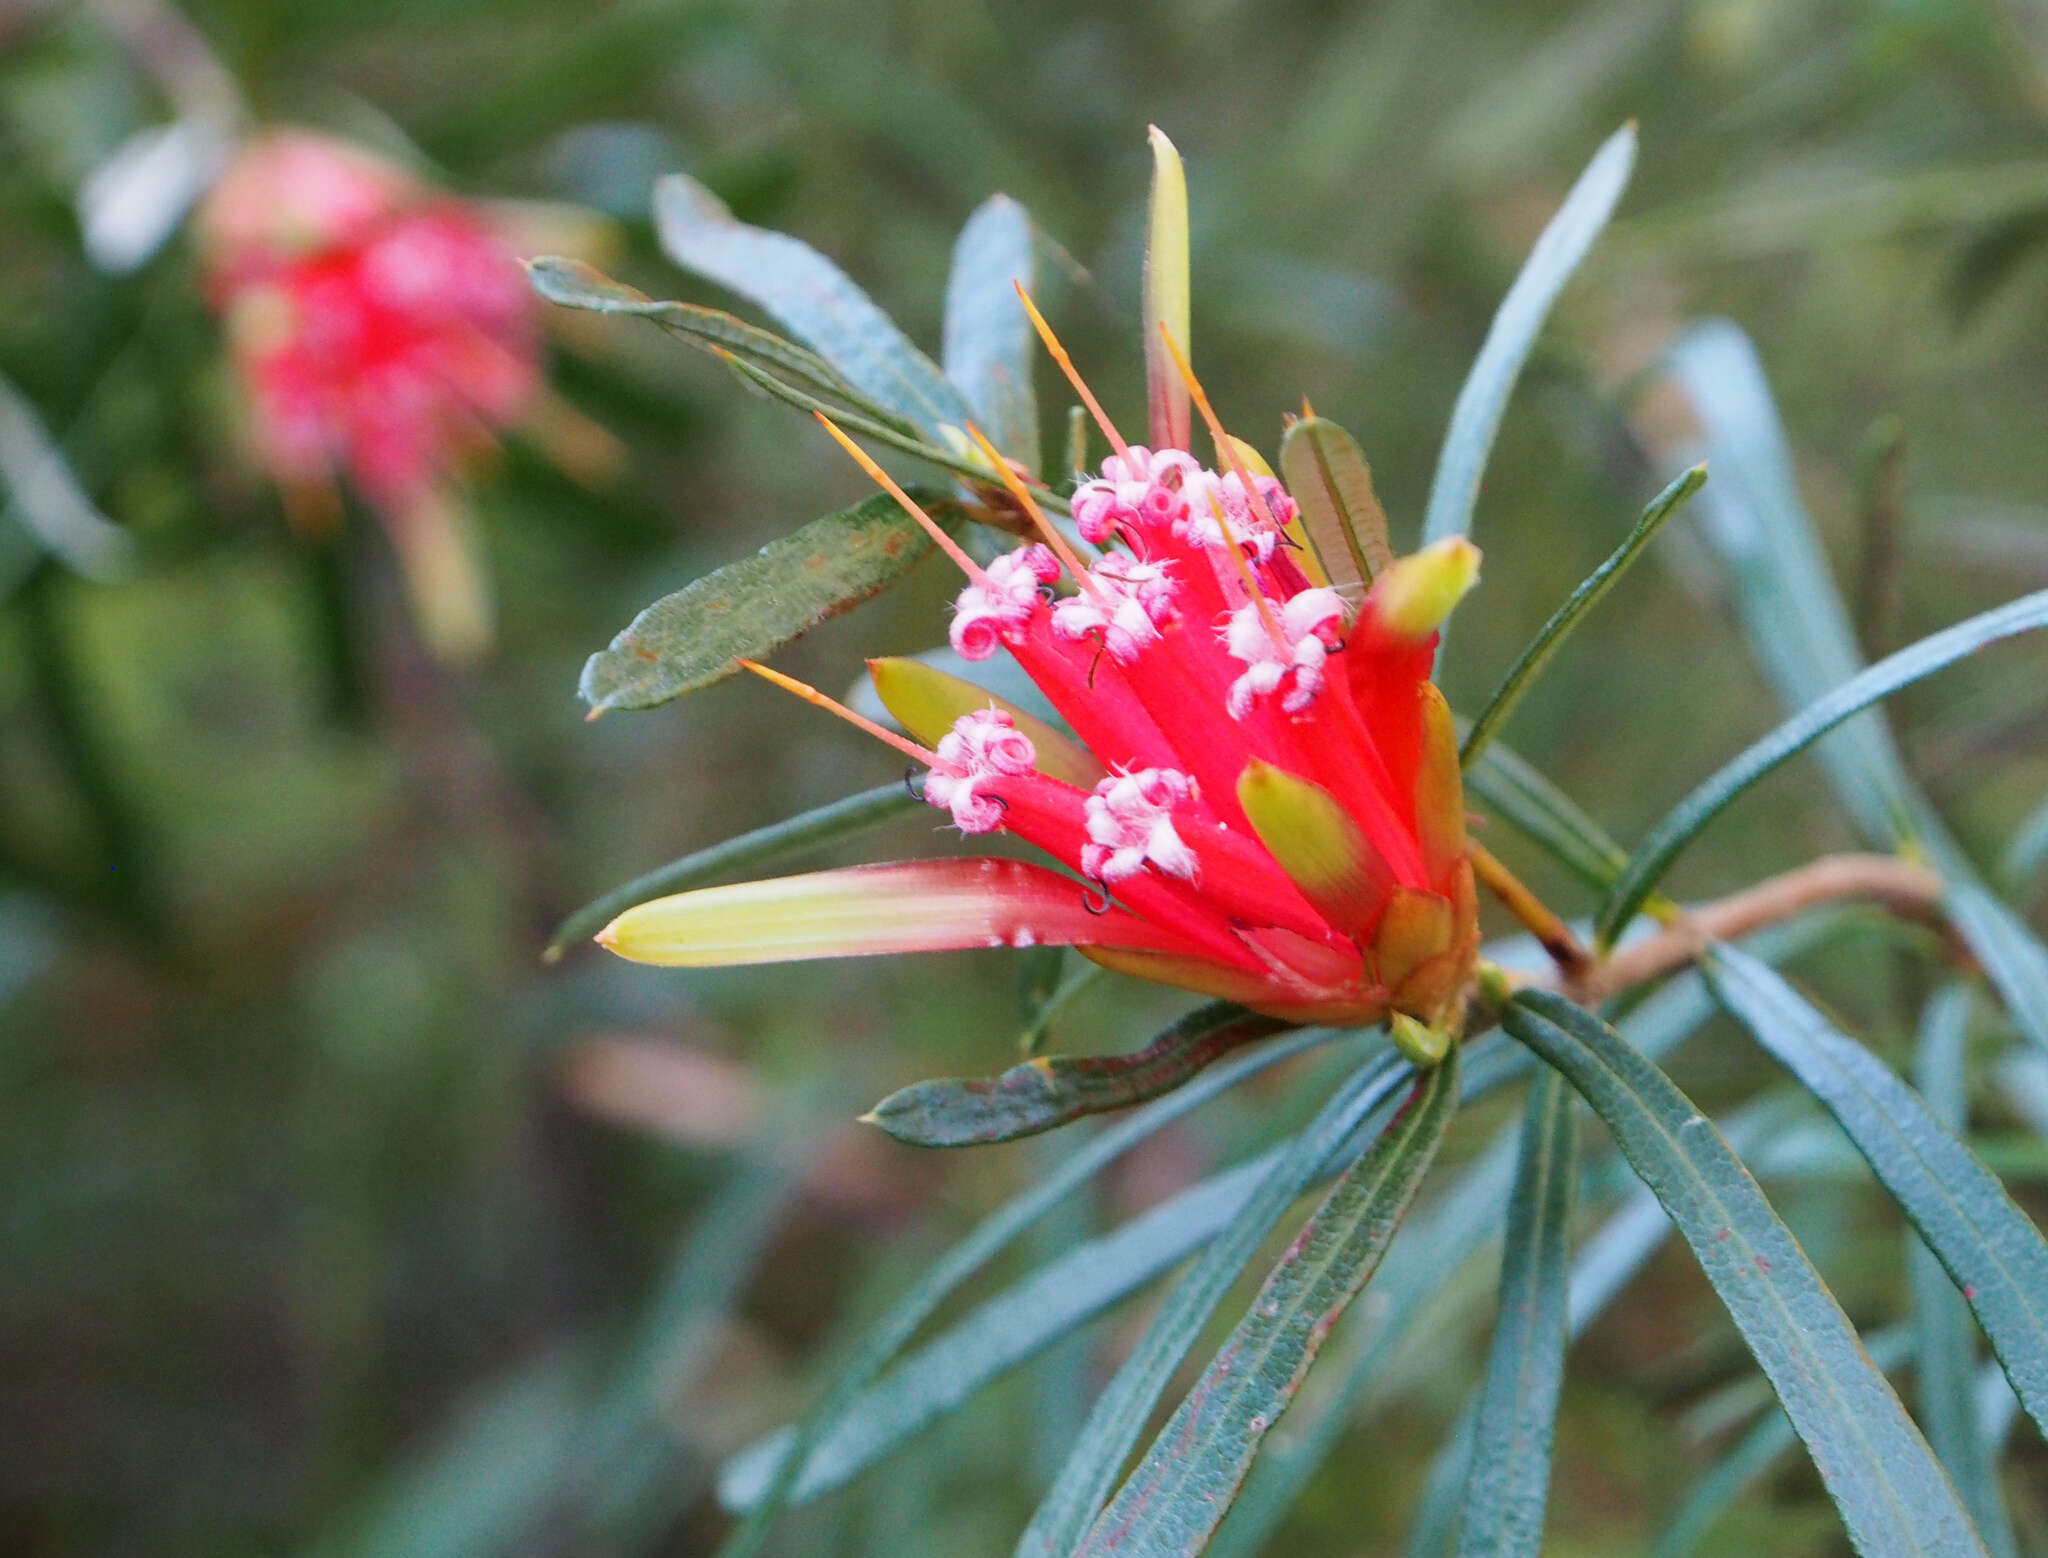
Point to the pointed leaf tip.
(1327, 475)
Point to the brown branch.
(1910, 891)
(1573, 962)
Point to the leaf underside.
(747, 609)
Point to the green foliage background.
(309, 1238)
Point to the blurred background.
(332, 1220)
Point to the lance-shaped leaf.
(1892, 1493)
(1609, 1260)
(947, 456)
(988, 343)
(1945, 1335)
(1685, 820)
(1547, 816)
(1450, 1232)
(47, 499)
(1475, 419)
(807, 830)
(998, 1335)
(1800, 630)
(1446, 1235)
(571, 283)
(1784, 593)
(1605, 1265)
(1119, 1415)
(2027, 850)
(750, 608)
(1582, 600)
(812, 298)
(1751, 1457)
(884, 1339)
(1184, 1486)
(879, 910)
(1992, 1251)
(1327, 475)
(2013, 957)
(1509, 1481)
(1167, 296)
(926, 701)
(1052, 1091)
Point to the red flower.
(381, 332)
(1264, 802)
(1261, 797)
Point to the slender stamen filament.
(810, 694)
(1225, 449)
(1047, 528)
(887, 483)
(1251, 582)
(1066, 365)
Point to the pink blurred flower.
(382, 333)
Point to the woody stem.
(1910, 891)
(1535, 916)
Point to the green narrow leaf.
(1013, 1326)
(1911, 664)
(1757, 1451)
(1893, 1494)
(811, 298)
(482, 1487)
(1783, 590)
(807, 830)
(1448, 1234)
(48, 503)
(1063, 1383)
(1077, 1494)
(1509, 1482)
(1603, 1268)
(1187, 1481)
(1040, 971)
(2027, 850)
(989, 343)
(771, 387)
(1945, 1336)
(1000, 1334)
(750, 608)
(1568, 616)
(1800, 629)
(1049, 1303)
(1043, 1094)
(1605, 1265)
(1484, 398)
(1992, 1252)
(1039, 1019)
(1443, 1238)
(1327, 474)
(887, 1336)
(571, 283)
(2014, 959)
(1547, 816)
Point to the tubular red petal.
(862, 911)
